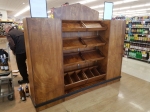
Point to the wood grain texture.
(82, 57)
(76, 12)
(29, 60)
(117, 31)
(44, 37)
(104, 35)
(50, 80)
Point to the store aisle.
(136, 68)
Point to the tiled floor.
(136, 68)
(131, 94)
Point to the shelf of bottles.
(2, 23)
(137, 39)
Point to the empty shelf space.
(92, 55)
(94, 71)
(74, 77)
(73, 43)
(72, 58)
(93, 74)
(95, 41)
(81, 77)
(81, 57)
(73, 25)
(76, 81)
(67, 79)
(92, 24)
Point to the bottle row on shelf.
(137, 30)
(140, 30)
(141, 18)
(139, 54)
(138, 38)
(137, 51)
(140, 25)
(140, 47)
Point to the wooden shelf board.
(91, 42)
(85, 42)
(72, 58)
(2, 36)
(71, 26)
(6, 21)
(92, 55)
(73, 29)
(72, 44)
(87, 73)
(95, 78)
(82, 86)
(96, 29)
(82, 29)
(75, 58)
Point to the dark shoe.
(23, 81)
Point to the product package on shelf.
(137, 38)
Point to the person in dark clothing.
(15, 38)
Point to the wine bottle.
(20, 91)
(23, 95)
(27, 91)
(6, 67)
(2, 62)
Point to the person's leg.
(21, 63)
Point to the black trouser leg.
(21, 63)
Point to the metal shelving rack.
(140, 43)
(6, 80)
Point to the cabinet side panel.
(117, 32)
(29, 62)
(104, 49)
(47, 59)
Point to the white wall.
(4, 15)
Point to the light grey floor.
(136, 68)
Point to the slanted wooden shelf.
(73, 58)
(72, 43)
(92, 55)
(82, 57)
(73, 26)
(82, 42)
(93, 41)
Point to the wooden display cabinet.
(69, 54)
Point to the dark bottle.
(23, 98)
(2, 62)
(27, 91)
(20, 91)
(5, 64)
(6, 67)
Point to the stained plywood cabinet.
(68, 54)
